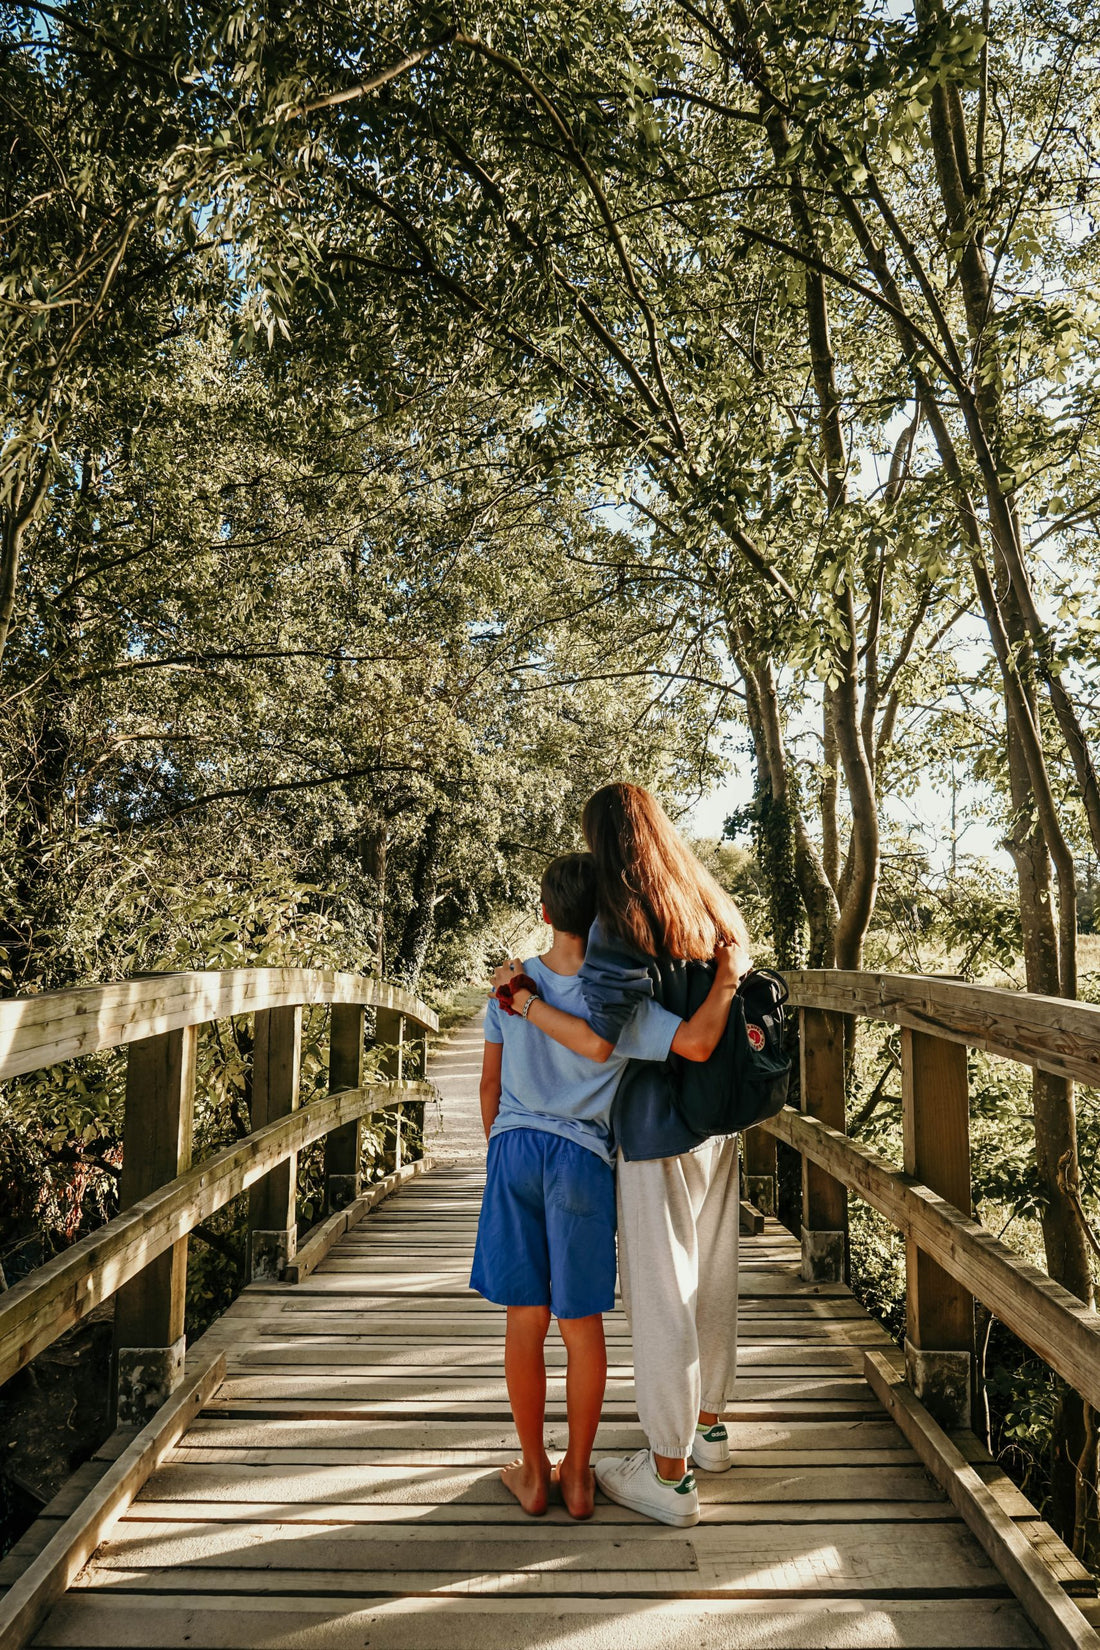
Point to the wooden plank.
(262, 1316)
(1051, 1033)
(1054, 1616)
(347, 1410)
(317, 1351)
(180, 1621)
(1046, 1317)
(40, 1308)
(760, 1559)
(60, 1025)
(463, 1387)
(797, 1436)
(340, 1552)
(330, 1231)
(458, 1387)
(503, 1512)
(333, 1278)
(485, 1452)
(26, 1603)
(476, 1484)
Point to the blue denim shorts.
(546, 1233)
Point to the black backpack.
(746, 1078)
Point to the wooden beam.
(939, 1322)
(1049, 1032)
(60, 1025)
(390, 1033)
(27, 1602)
(761, 1178)
(345, 1071)
(750, 1220)
(1055, 1324)
(34, 1312)
(156, 1147)
(277, 1063)
(1051, 1612)
(824, 1199)
(321, 1239)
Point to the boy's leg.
(580, 1211)
(525, 1373)
(585, 1380)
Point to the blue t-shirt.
(545, 1086)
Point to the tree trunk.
(16, 515)
(800, 876)
(830, 837)
(419, 924)
(373, 859)
(11, 537)
(1073, 1467)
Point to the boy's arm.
(491, 1061)
(695, 1039)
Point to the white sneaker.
(632, 1481)
(710, 1450)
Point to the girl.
(677, 1195)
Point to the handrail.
(141, 1256)
(1046, 1317)
(950, 1259)
(53, 1026)
(1053, 1033)
(34, 1312)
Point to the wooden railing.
(140, 1257)
(950, 1259)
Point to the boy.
(546, 1233)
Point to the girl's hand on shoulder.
(730, 963)
(505, 973)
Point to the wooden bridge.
(320, 1469)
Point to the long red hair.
(651, 890)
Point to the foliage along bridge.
(320, 1469)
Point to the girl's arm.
(615, 979)
(567, 1029)
(491, 1061)
(696, 1039)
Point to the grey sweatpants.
(678, 1226)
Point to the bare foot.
(578, 1489)
(529, 1485)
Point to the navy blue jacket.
(614, 978)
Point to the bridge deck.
(341, 1489)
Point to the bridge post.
(272, 1219)
(761, 1177)
(149, 1340)
(414, 1109)
(824, 1200)
(939, 1339)
(345, 1071)
(391, 1030)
